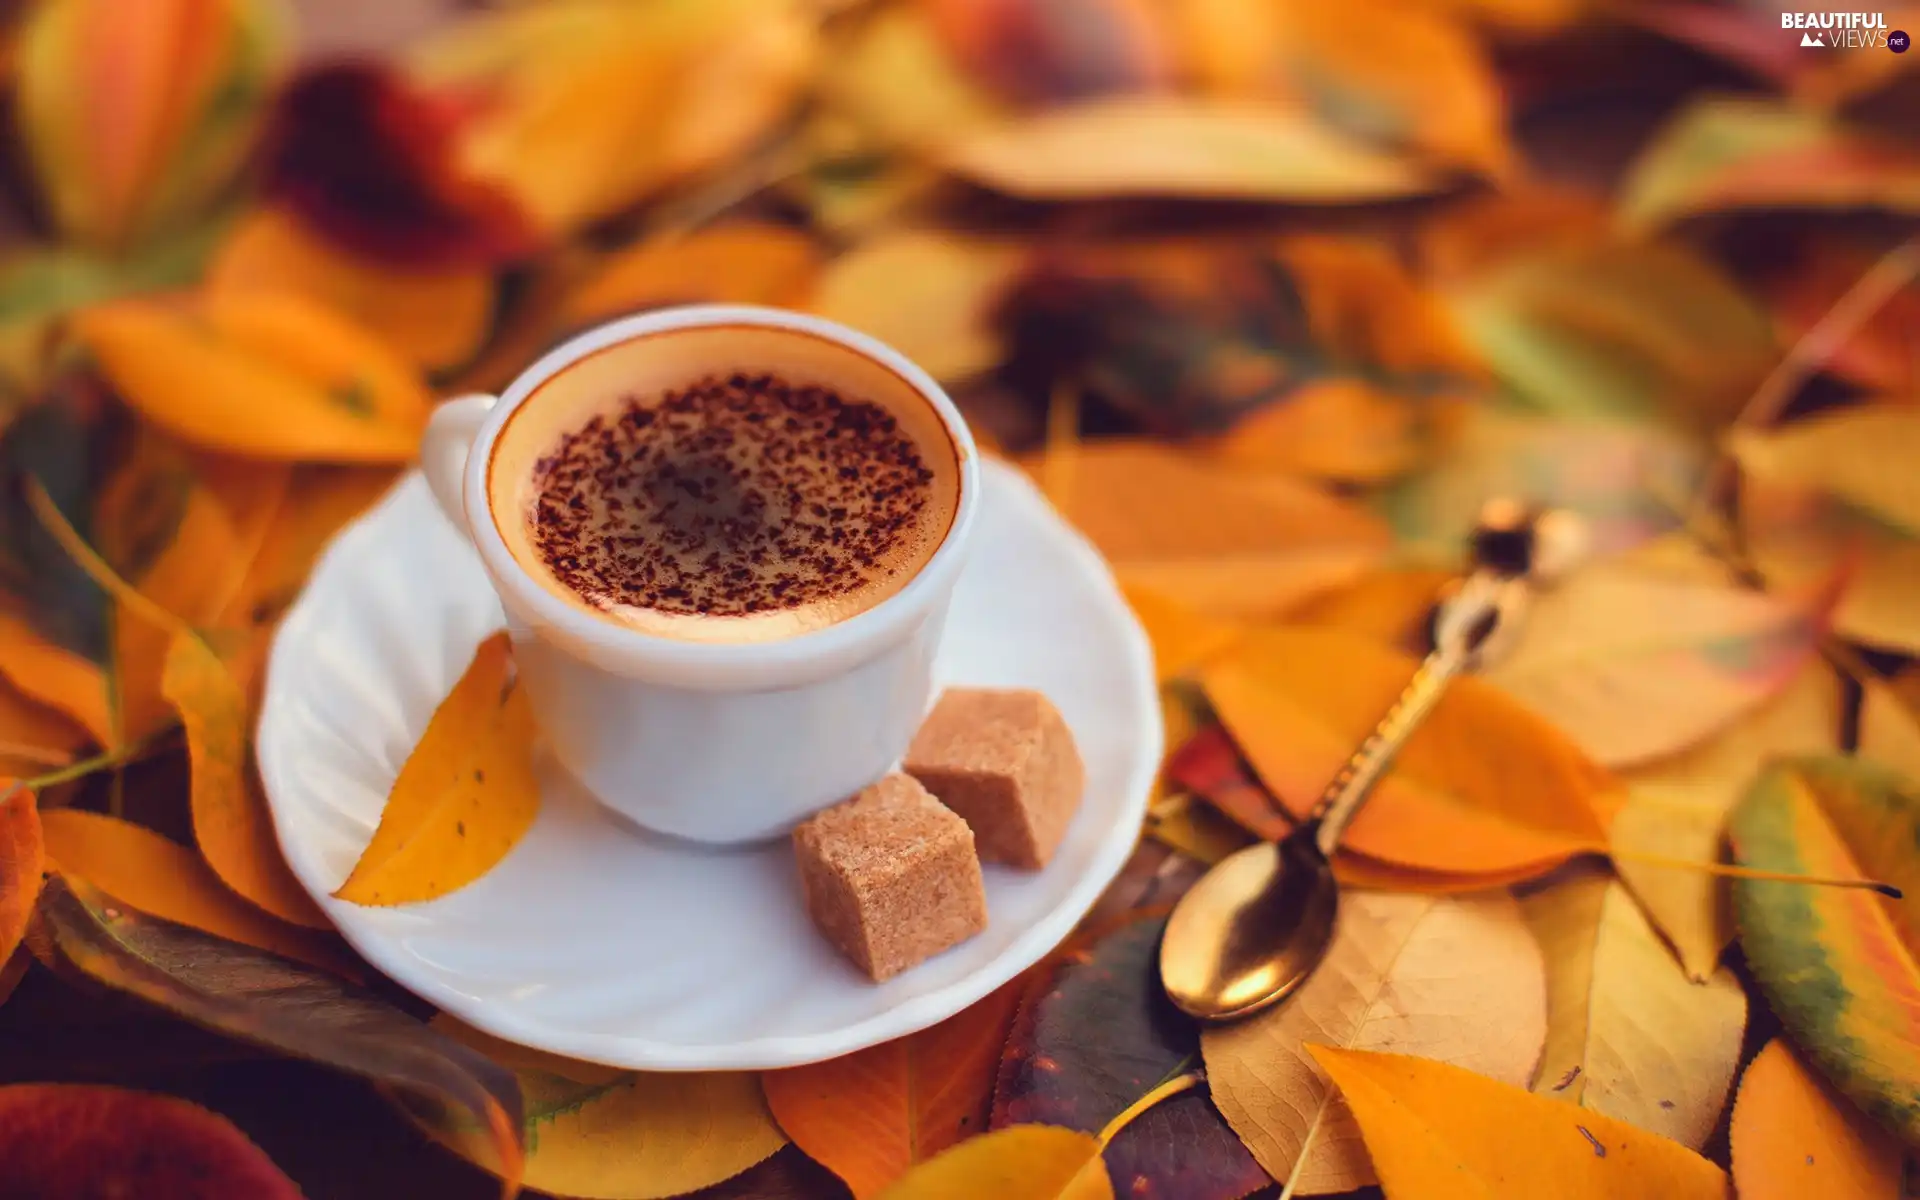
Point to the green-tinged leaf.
(1174, 146)
(597, 1133)
(1741, 153)
(1024, 1162)
(71, 1139)
(1677, 808)
(1628, 480)
(1097, 1038)
(1838, 965)
(1628, 1034)
(279, 1004)
(1634, 331)
(40, 285)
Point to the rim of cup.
(785, 662)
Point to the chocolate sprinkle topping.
(735, 496)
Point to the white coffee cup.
(716, 742)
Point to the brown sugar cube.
(1006, 762)
(890, 877)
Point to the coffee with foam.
(724, 483)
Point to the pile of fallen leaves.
(1269, 295)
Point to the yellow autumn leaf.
(436, 319)
(464, 796)
(1678, 806)
(739, 262)
(598, 1133)
(1863, 456)
(1890, 722)
(1021, 1162)
(1166, 145)
(1459, 979)
(162, 878)
(268, 376)
(1794, 1136)
(1437, 1132)
(602, 103)
(928, 295)
(1802, 536)
(1628, 1034)
(231, 823)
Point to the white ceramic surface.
(713, 742)
(596, 940)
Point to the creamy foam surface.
(724, 484)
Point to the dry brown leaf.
(1794, 1136)
(927, 294)
(162, 878)
(1678, 808)
(1629, 1035)
(1456, 979)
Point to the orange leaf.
(1216, 540)
(1438, 1132)
(871, 1115)
(162, 878)
(22, 862)
(55, 677)
(33, 737)
(320, 501)
(435, 318)
(1182, 638)
(264, 375)
(230, 819)
(1390, 607)
(1793, 1136)
(465, 795)
(1483, 787)
(743, 262)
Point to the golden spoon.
(1255, 926)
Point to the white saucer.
(597, 941)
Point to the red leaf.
(62, 1139)
(370, 163)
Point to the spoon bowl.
(1252, 929)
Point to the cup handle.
(443, 452)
